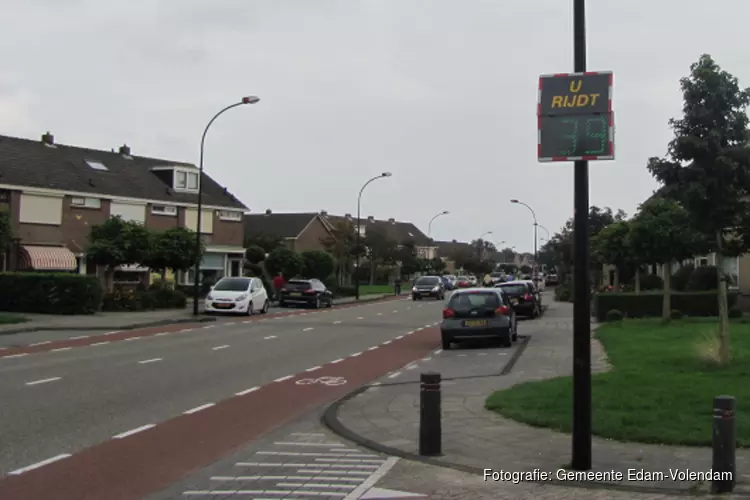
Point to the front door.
(234, 268)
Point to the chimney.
(392, 221)
(454, 241)
(348, 216)
(125, 150)
(323, 213)
(268, 211)
(370, 218)
(48, 139)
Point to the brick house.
(398, 231)
(55, 193)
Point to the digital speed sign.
(575, 117)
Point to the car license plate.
(295, 294)
(222, 306)
(476, 322)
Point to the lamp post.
(545, 230)
(429, 226)
(199, 257)
(359, 229)
(535, 226)
(480, 242)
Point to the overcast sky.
(441, 93)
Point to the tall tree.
(172, 249)
(380, 248)
(117, 242)
(611, 246)
(341, 244)
(483, 248)
(707, 168)
(267, 242)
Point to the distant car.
(453, 280)
(463, 282)
(479, 313)
(237, 295)
(447, 283)
(524, 297)
(551, 280)
(306, 292)
(473, 280)
(539, 282)
(428, 287)
(496, 277)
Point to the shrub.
(255, 254)
(283, 260)
(735, 313)
(681, 277)
(651, 282)
(49, 293)
(703, 278)
(676, 314)
(564, 293)
(645, 304)
(613, 315)
(317, 264)
(157, 298)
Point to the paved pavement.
(134, 412)
(385, 416)
(48, 328)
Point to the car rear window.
(298, 285)
(427, 281)
(514, 288)
(232, 285)
(488, 300)
(463, 278)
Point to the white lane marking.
(399, 337)
(198, 408)
(308, 329)
(247, 321)
(79, 337)
(314, 454)
(482, 354)
(331, 445)
(380, 314)
(360, 317)
(209, 327)
(437, 351)
(337, 322)
(40, 343)
(191, 329)
(427, 358)
(39, 464)
(427, 326)
(350, 460)
(387, 342)
(375, 384)
(278, 317)
(394, 375)
(229, 323)
(420, 305)
(372, 348)
(134, 431)
(418, 329)
(355, 354)
(462, 355)
(113, 332)
(269, 337)
(130, 339)
(161, 334)
(373, 479)
(152, 360)
(411, 367)
(408, 307)
(307, 434)
(311, 485)
(395, 311)
(337, 361)
(219, 347)
(247, 391)
(17, 355)
(334, 471)
(283, 478)
(281, 379)
(43, 381)
(264, 492)
(313, 369)
(61, 349)
(100, 343)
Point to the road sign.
(575, 117)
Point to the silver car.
(478, 313)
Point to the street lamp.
(480, 245)
(429, 226)
(196, 278)
(359, 229)
(545, 230)
(535, 226)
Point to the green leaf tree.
(612, 246)
(115, 243)
(317, 264)
(707, 168)
(285, 261)
(381, 249)
(173, 249)
(342, 243)
(6, 231)
(437, 265)
(267, 242)
(255, 254)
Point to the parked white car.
(237, 295)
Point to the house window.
(703, 261)
(164, 210)
(180, 180)
(192, 180)
(97, 165)
(184, 180)
(86, 202)
(229, 215)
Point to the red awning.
(47, 259)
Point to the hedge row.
(145, 300)
(649, 304)
(53, 293)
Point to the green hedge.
(49, 293)
(145, 300)
(645, 304)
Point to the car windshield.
(451, 277)
(488, 300)
(496, 275)
(514, 288)
(428, 280)
(298, 285)
(232, 285)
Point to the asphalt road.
(60, 402)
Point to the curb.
(330, 419)
(133, 326)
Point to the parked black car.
(306, 292)
(428, 287)
(479, 313)
(524, 297)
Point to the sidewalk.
(385, 417)
(107, 321)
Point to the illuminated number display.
(575, 136)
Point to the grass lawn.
(11, 319)
(660, 390)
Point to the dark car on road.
(427, 287)
(524, 297)
(476, 314)
(447, 283)
(306, 292)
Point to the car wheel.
(446, 345)
(250, 311)
(317, 303)
(515, 332)
(507, 342)
(265, 307)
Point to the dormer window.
(185, 180)
(180, 178)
